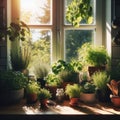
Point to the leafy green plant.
(62, 65)
(32, 87)
(93, 55)
(73, 90)
(18, 30)
(67, 71)
(100, 80)
(88, 87)
(79, 10)
(53, 80)
(12, 80)
(59, 66)
(69, 76)
(44, 94)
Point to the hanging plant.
(79, 11)
(18, 30)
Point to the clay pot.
(88, 97)
(31, 98)
(93, 69)
(52, 90)
(43, 104)
(74, 102)
(115, 100)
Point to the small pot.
(31, 98)
(52, 90)
(74, 102)
(88, 97)
(115, 100)
(43, 104)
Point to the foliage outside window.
(49, 35)
(79, 11)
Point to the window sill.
(64, 109)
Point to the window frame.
(58, 26)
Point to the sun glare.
(27, 4)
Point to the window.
(53, 37)
(38, 16)
(75, 37)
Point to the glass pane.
(74, 39)
(36, 12)
(67, 2)
(41, 50)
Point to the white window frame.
(58, 25)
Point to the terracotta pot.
(115, 100)
(31, 98)
(88, 97)
(64, 84)
(93, 69)
(43, 103)
(74, 101)
(52, 90)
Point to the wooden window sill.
(63, 108)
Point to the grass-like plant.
(44, 94)
(69, 76)
(41, 70)
(101, 79)
(32, 87)
(73, 91)
(20, 57)
(53, 80)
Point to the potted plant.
(94, 57)
(20, 58)
(114, 86)
(12, 84)
(68, 72)
(52, 83)
(61, 65)
(41, 70)
(19, 35)
(18, 30)
(43, 96)
(100, 79)
(32, 89)
(88, 92)
(73, 91)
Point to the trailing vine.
(79, 11)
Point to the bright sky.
(32, 4)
